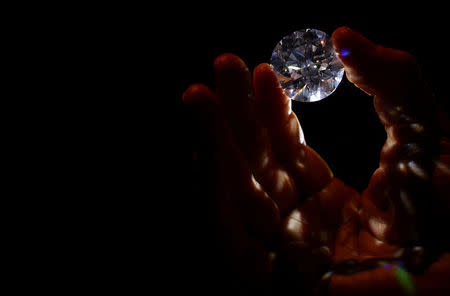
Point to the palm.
(263, 168)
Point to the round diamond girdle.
(307, 66)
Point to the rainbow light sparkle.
(345, 52)
(403, 277)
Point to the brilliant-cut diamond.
(307, 66)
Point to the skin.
(281, 210)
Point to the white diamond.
(307, 66)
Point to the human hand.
(282, 211)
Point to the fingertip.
(263, 70)
(274, 106)
(265, 75)
(229, 61)
(338, 34)
(263, 67)
(196, 93)
(347, 41)
(269, 92)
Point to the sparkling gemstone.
(307, 66)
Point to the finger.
(375, 69)
(310, 171)
(242, 207)
(399, 188)
(235, 91)
(401, 97)
(258, 212)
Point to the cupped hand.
(285, 220)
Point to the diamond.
(307, 66)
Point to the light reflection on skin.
(296, 215)
(407, 203)
(294, 125)
(265, 159)
(391, 141)
(325, 250)
(442, 167)
(289, 107)
(347, 215)
(302, 153)
(405, 117)
(295, 224)
(300, 165)
(282, 179)
(255, 183)
(413, 148)
(402, 167)
(393, 113)
(301, 134)
(417, 170)
(417, 127)
(378, 242)
(389, 144)
(378, 227)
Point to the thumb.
(399, 190)
(375, 69)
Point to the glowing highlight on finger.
(417, 170)
(345, 52)
(403, 277)
(407, 203)
(354, 208)
(386, 265)
(255, 183)
(402, 167)
(442, 167)
(282, 181)
(417, 127)
(378, 226)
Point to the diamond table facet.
(307, 66)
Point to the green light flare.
(405, 280)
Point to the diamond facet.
(307, 66)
